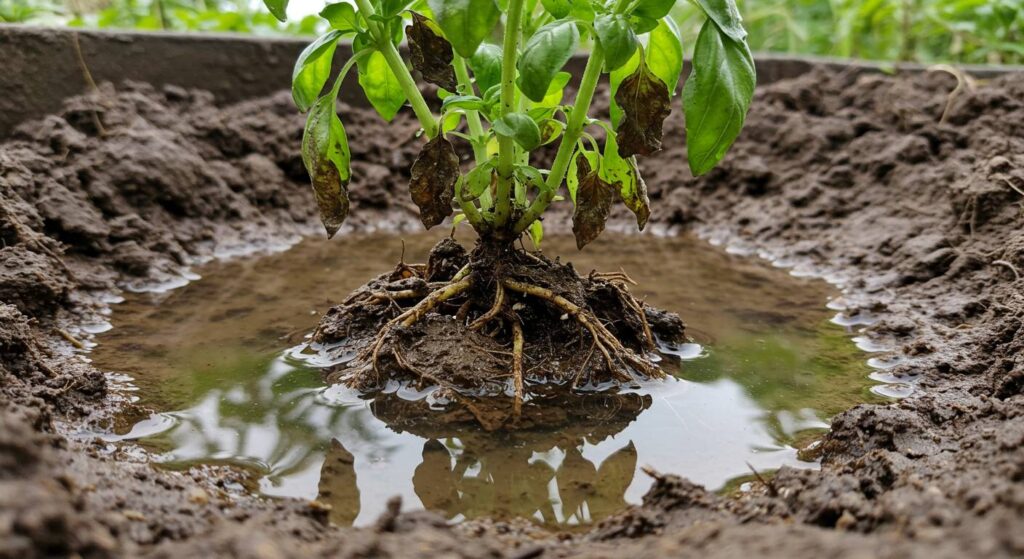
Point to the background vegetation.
(959, 31)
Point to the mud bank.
(861, 176)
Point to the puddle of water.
(226, 354)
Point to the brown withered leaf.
(645, 103)
(433, 180)
(638, 201)
(431, 54)
(594, 199)
(326, 156)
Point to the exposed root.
(414, 314)
(517, 365)
(499, 302)
(605, 340)
(467, 332)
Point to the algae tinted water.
(223, 361)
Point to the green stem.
(476, 129)
(573, 129)
(400, 70)
(506, 146)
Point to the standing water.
(224, 362)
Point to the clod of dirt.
(481, 325)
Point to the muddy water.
(223, 360)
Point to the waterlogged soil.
(906, 189)
(224, 362)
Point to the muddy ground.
(911, 196)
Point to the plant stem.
(573, 129)
(476, 129)
(506, 146)
(398, 67)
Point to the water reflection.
(770, 369)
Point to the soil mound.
(907, 186)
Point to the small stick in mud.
(517, 365)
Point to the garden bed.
(908, 195)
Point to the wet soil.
(860, 177)
(226, 364)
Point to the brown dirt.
(851, 174)
(558, 354)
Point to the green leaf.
(544, 55)
(654, 9)
(469, 102)
(582, 10)
(520, 128)
(623, 173)
(557, 8)
(380, 85)
(726, 17)
(665, 53)
(616, 38)
(391, 8)
(641, 24)
(325, 154)
(716, 96)
(536, 232)
(486, 66)
(278, 8)
(466, 23)
(434, 174)
(430, 53)
(342, 16)
(646, 103)
(478, 180)
(553, 97)
(312, 69)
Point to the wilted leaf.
(623, 173)
(326, 156)
(572, 181)
(593, 203)
(430, 53)
(433, 180)
(716, 96)
(645, 103)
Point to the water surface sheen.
(224, 361)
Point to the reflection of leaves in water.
(787, 371)
(338, 485)
(508, 482)
(601, 490)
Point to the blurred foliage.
(957, 31)
(239, 16)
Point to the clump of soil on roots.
(499, 332)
